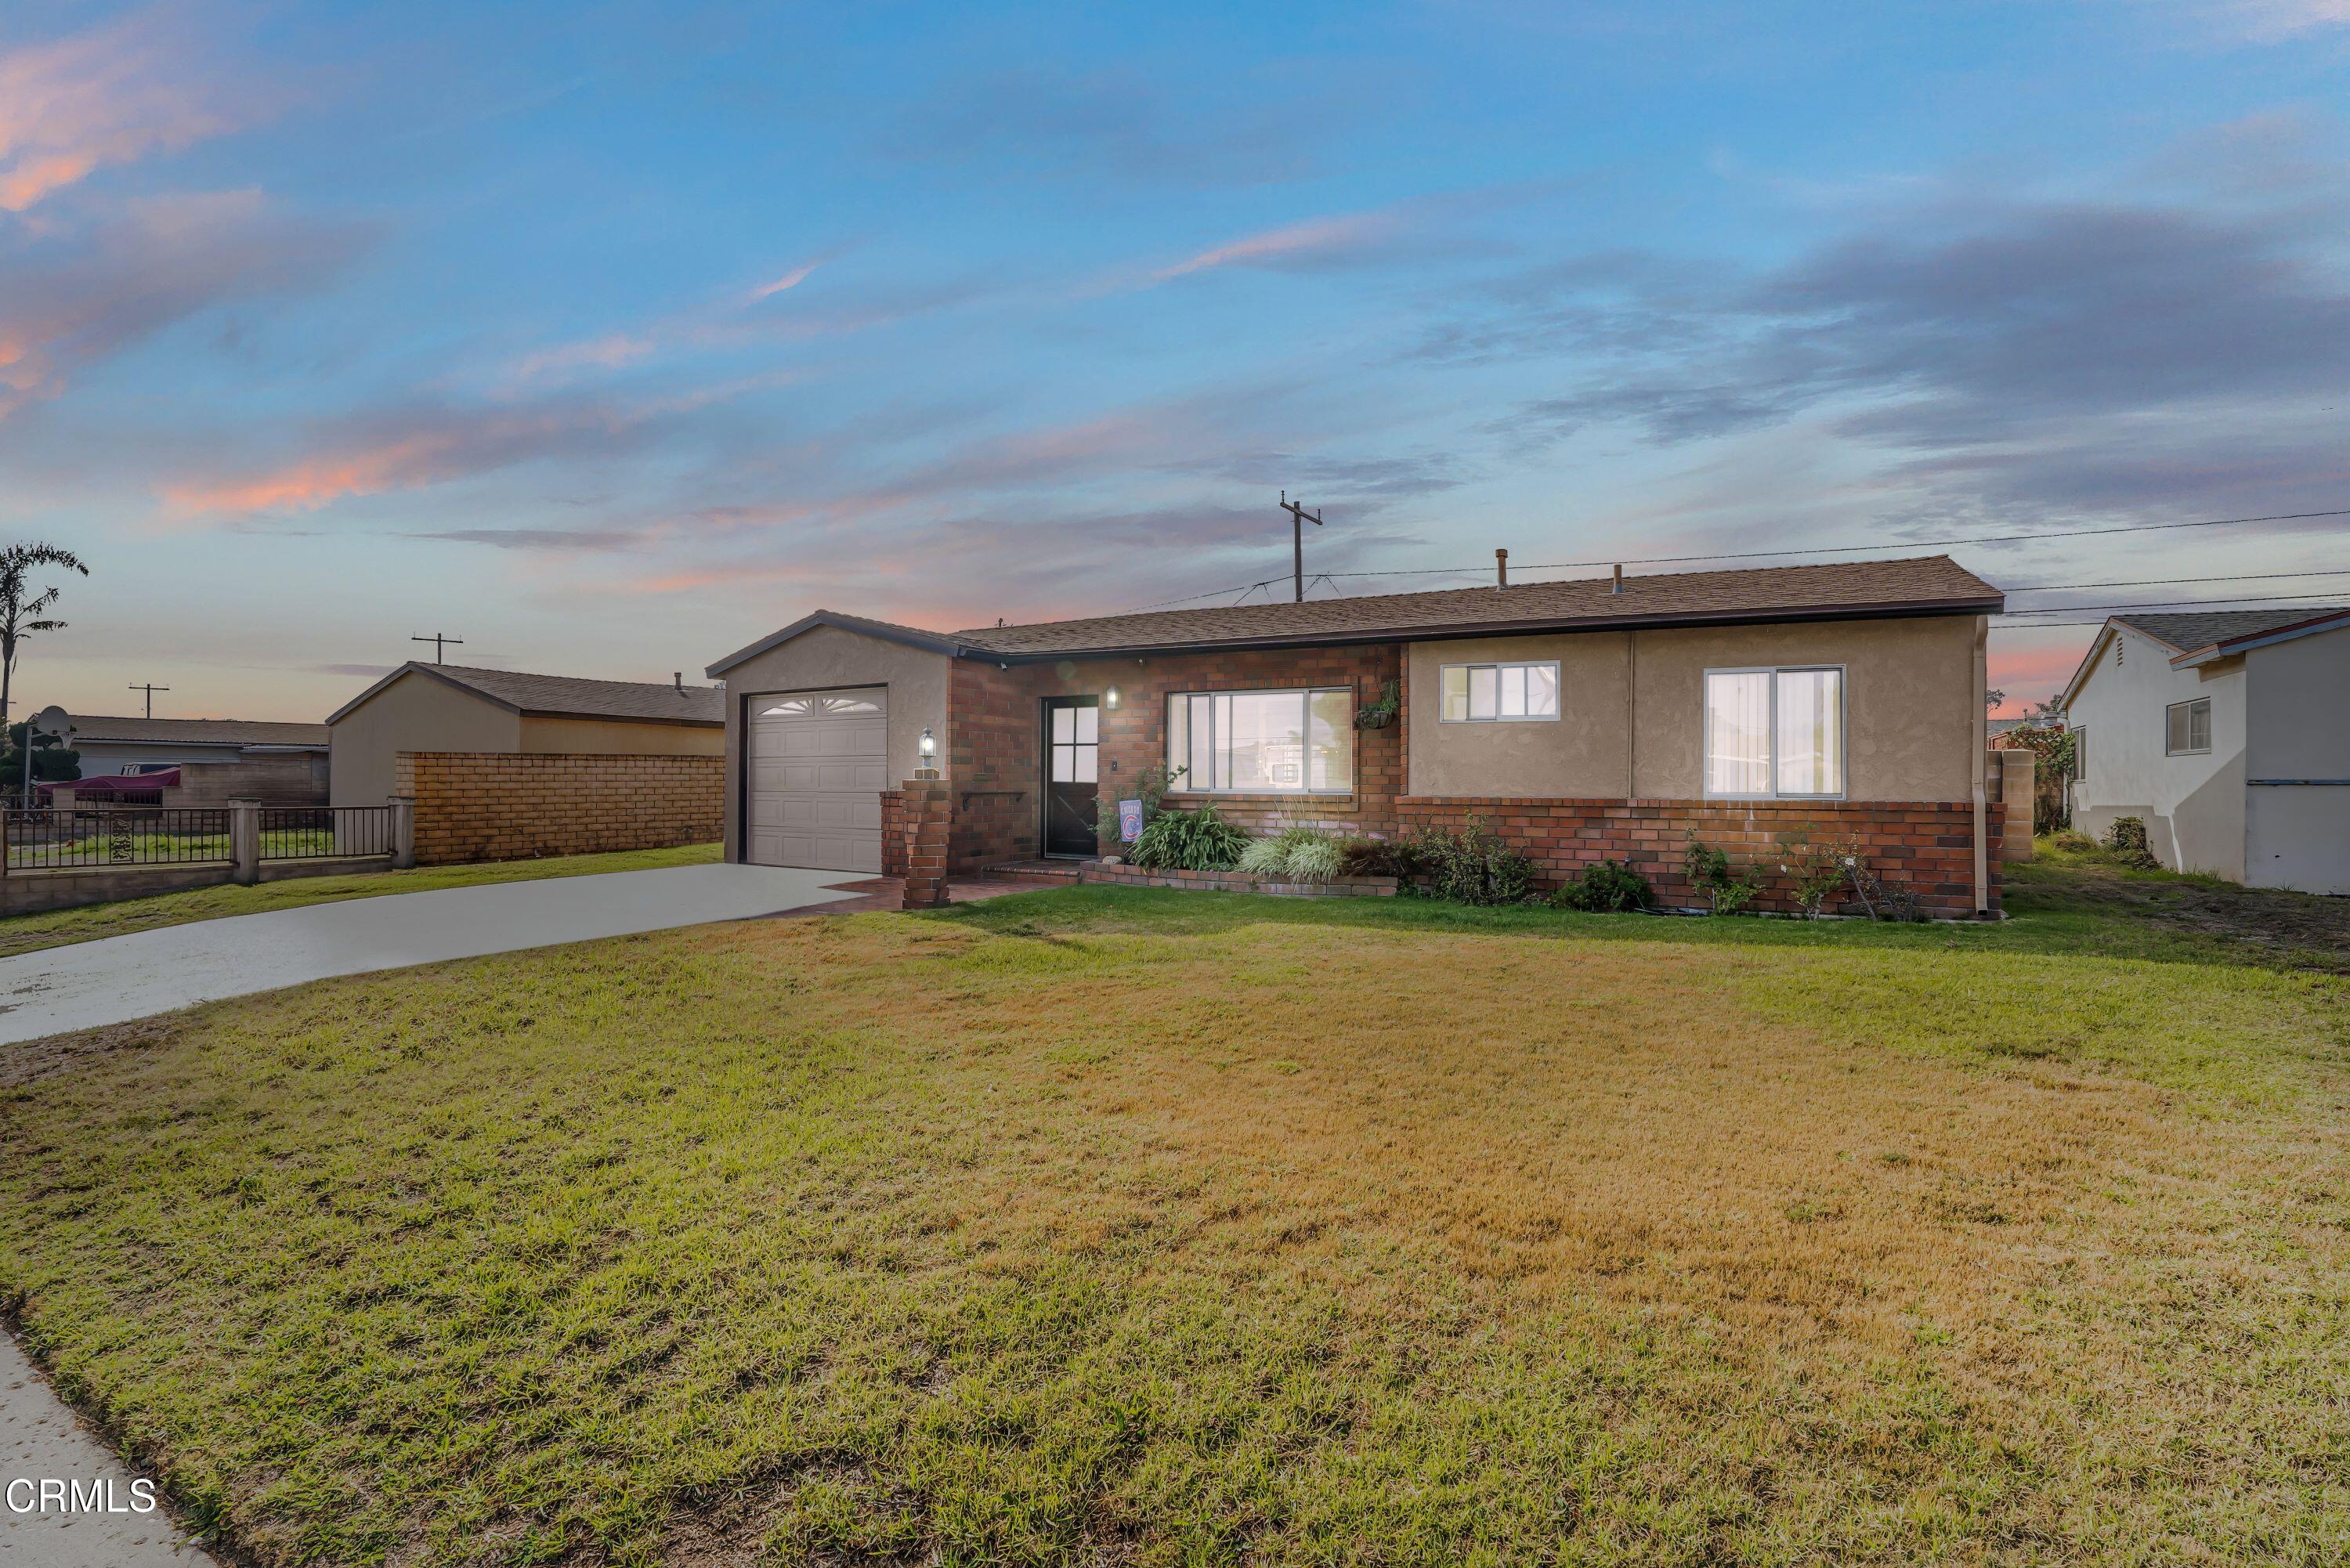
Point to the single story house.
(1583, 719)
(423, 707)
(2228, 732)
(218, 758)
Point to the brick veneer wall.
(893, 833)
(995, 739)
(500, 806)
(1927, 845)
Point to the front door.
(1072, 741)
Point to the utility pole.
(151, 689)
(1298, 518)
(436, 639)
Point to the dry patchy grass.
(1157, 1229)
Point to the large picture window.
(1772, 733)
(1263, 743)
(1500, 693)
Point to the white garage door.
(819, 762)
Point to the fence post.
(403, 832)
(244, 842)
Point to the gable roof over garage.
(566, 696)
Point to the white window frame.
(1771, 729)
(2190, 750)
(1558, 697)
(2080, 753)
(1187, 784)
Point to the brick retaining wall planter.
(1237, 882)
(1928, 846)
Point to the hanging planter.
(1378, 715)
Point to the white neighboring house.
(2229, 733)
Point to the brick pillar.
(927, 811)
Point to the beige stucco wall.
(2298, 835)
(576, 737)
(414, 713)
(825, 656)
(1910, 709)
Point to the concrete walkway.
(40, 1441)
(117, 979)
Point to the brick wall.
(1927, 845)
(995, 739)
(893, 833)
(495, 805)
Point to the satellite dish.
(53, 720)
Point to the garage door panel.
(818, 763)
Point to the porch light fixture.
(928, 746)
(1109, 698)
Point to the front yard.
(1137, 1226)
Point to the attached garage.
(818, 763)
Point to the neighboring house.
(1574, 717)
(219, 759)
(2227, 732)
(450, 708)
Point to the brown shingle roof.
(198, 732)
(569, 696)
(1917, 585)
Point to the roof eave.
(1898, 610)
(2213, 652)
(906, 636)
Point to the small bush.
(1814, 868)
(1604, 886)
(1264, 858)
(1724, 890)
(1378, 857)
(1317, 859)
(2074, 842)
(1471, 864)
(1188, 841)
(2127, 839)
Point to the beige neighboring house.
(2227, 732)
(453, 708)
(219, 759)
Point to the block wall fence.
(497, 805)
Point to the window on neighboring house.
(2080, 752)
(1263, 743)
(2187, 727)
(1771, 732)
(1500, 693)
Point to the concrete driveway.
(117, 979)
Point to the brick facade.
(926, 810)
(1929, 846)
(495, 805)
(994, 745)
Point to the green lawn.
(24, 933)
(1128, 1226)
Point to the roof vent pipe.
(1501, 568)
(679, 675)
(1619, 579)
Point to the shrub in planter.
(1604, 885)
(1471, 864)
(1188, 841)
(1316, 860)
(1293, 855)
(1378, 857)
(1150, 787)
(1724, 890)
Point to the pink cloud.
(106, 97)
(791, 279)
(1315, 239)
(610, 352)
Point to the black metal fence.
(47, 838)
(324, 832)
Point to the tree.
(53, 760)
(21, 617)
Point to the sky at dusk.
(610, 336)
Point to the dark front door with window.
(1072, 742)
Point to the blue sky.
(610, 336)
